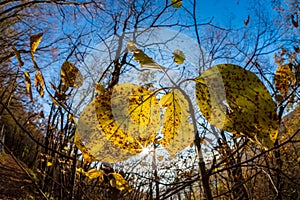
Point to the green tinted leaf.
(176, 3)
(143, 59)
(179, 57)
(235, 100)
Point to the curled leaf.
(235, 100)
(39, 83)
(246, 22)
(18, 56)
(28, 84)
(70, 75)
(34, 43)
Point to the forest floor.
(15, 184)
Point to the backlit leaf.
(179, 57)
(178, 131)
(18, 56)
(94, 128)
(95, 173)
(235, 100)
(34, 43)
(176, 3)
(136, 111)
(87, 156)
(28, 84)
(143, 59)
(284, 79)
(119, 182)
(70, 75)
(39, 83)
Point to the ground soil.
(15, 184)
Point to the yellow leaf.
(95, 125)
(80, 170)
(18, 55)
(34, 43)
(70, 75)
(179, 57)
(143, 59)
(178, 131)
(235, 100)
(136, 111)
(176, 3)
(49, 164)
(39, 83)
(119, 182)
(99, 88)
(28, 84)
(284, 79)
(160, 158)
(87, 156)
(95, 173)
(110, 126)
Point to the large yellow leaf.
(102, 135)
(70, 75)
(178, 131)
(235, 100)
(136, 111)
(95, 139)
(143, 59)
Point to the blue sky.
(227, 12)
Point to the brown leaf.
(246, 22)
